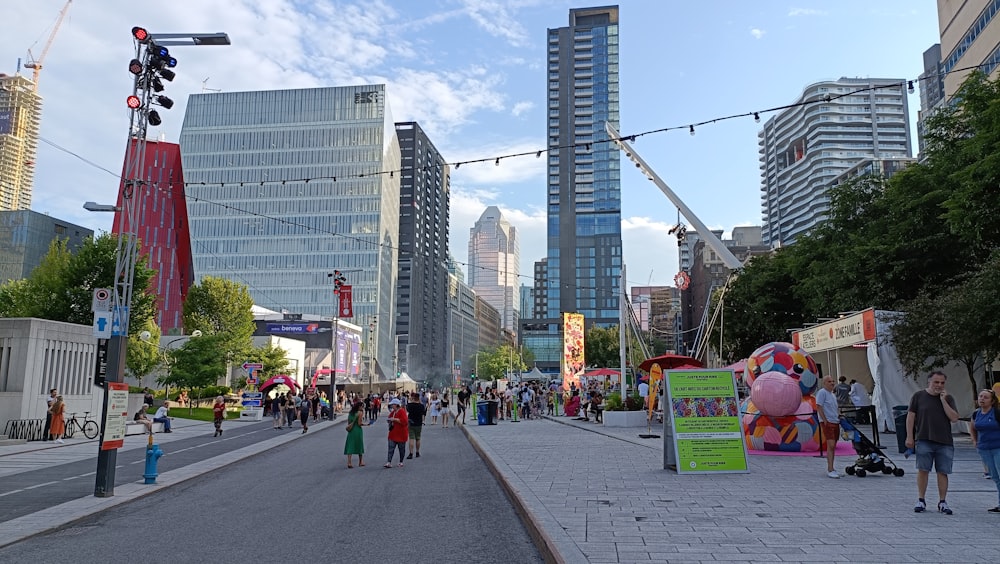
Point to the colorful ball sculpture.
(780, 413)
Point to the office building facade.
(970, 37)
(830, 128)
(494, 259)
(25, 238)
(162, 229)
(20, 112)
(584, 258)
(421, 345)
(286, 186)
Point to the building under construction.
(20, 110)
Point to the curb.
(541, 525)
(52, 518)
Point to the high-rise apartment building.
(970, 37)
(20, 112)
(162, 229)
(494, 259)
(805, 147)
(422, 288)
(286, 186)
(584, 258)
(25, 237)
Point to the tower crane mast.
(36, 64)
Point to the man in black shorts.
(415, 413)
(463, 402)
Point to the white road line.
(40, 485)
(70, 478)
(11, 492)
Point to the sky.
(472, 73)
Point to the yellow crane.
(36, 64)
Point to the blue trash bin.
(482, 413)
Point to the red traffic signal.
(133, 102)
(140, 34)
(135, 66)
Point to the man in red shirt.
(399, 431)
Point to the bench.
(137, 428)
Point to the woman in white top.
(859, 395)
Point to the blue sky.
(472, 72)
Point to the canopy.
(739, 367)
(278, 380)
(602, 372)
(670, 361)
(535, 374)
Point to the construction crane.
(36, 64)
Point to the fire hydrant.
(153, 453)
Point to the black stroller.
(870, 457)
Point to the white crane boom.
(36, 64)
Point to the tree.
(195, 364)
(601, 347)
(274, 359)
(222, 308)
(143, 356)
(495, 362)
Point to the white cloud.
(757, 33)
(497, 19)
(510, 170)
(521, 107)
(650, 250)
(806, 12)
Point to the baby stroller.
(870, 457)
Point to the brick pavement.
(601, 495)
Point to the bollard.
(153, 453)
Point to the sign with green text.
(705, 415)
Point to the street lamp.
(149, 67)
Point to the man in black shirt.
(415, 413)
(463, 402)
(928, 433)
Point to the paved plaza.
(596, 494)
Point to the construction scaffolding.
(20, 114)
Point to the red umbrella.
(602, 372)
(670, 361)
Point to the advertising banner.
(572, 357)
(113, 431)
(705, 414)
(346, 304)
(843, 332)
(292, 328)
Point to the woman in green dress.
(355, 443)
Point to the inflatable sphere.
(780, 412)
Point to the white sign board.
(102, 324)
(101, 301)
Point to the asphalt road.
(300, 502)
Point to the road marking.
(40, 485)
(11, 492)
(70, 478)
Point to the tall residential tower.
(20, 111)
(494, 256)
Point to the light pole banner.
(705, 413)
(346, 304)
(572, 360)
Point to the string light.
(691, 129)
(756, 117)
(909, 86)
(498, 161)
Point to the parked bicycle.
(88, 426)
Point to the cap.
(395, 401)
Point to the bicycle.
(89, 426)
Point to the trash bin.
(899, 419)
(492, 407)
(482, 413)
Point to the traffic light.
(338, 280)
(473, 375)
(151, 67)
(140, 34)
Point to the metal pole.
(334, 356)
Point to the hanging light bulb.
(691, 129)
(538, 155)
(909, 86)
(498, 161)
(756, 117)
(457, 165)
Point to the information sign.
(705, 415)
(115, 416)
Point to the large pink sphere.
(775, 394)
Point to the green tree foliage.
(142, 357)
(61, 287)
(196, 363)
(221, 308)
(495, 362)
(274, 359)
(602, 348)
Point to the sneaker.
(60, 441)
(986, 475)
(400, 465)
(408, 456)
(832, 474)
(387, 465)
(418, 455)
(920, 507)
(943, 507)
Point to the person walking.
(463, 403)
(985, 433)
(305, 410)
(435, 407)
(829, 421)
(291, 414)
(57, 425)
(399, 432)
(48, 413)
(445, 410)
(415, 412)
(355, 443)
(277, 408)
(219, 413)
(928, 432)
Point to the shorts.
(831, 431)
(940, 455)
(415, 432)
(276, 414)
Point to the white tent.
(533, 376)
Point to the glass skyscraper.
(286, 186)
(584, 260)
(494, 256)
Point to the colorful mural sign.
(572, 359)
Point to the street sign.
(253, 395)
(101, 301)
(251, 366)
(251, 403)
(251, 380)
(117, 315)
(101, 366)
(102, 324)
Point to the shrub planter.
(624, 418)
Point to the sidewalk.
(596, 494)
(15, 459)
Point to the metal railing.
(27, 429)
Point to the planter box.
(624, 418)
